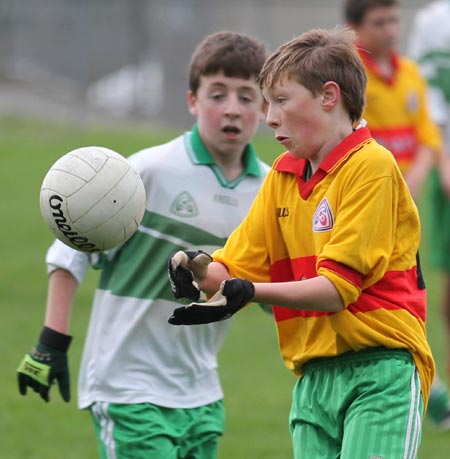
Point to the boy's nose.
(232, 107)
(271, 119)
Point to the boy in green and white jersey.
(154, 389)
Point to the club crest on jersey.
(184, 205)
(412, 102)
(323, 219)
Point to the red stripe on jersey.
(400, 141)
(282, 314)
(281, 271)
(304, 267)
(352, 276)
(397, 290)
(287, 270)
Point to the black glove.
(46, 363)
(184, 268)
(232, 296)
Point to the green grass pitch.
(257, 385)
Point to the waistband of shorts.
(352, 357)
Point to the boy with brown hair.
(396, 111)
(153, 390)
(331, 241)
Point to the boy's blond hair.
(234, 54)
(318, 56)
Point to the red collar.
(293, 165)
(297, 166)
(374, 67)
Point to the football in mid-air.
(92, 199)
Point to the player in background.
(331, 239)
(429, 44)
(397, 115)
(396, 108)
(153, 389)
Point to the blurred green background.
(257, 385)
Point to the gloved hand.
(185, 269)
(46, 363)
(232, 296)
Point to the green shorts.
(147, 431)
(365, 405)
(439, 225)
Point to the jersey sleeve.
(427, 130)
(246, 252)
(61, 256)
(375, 232)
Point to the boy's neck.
(385, 64)
(231, 165)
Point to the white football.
(92, 199)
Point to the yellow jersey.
(353, 221)
(396, 109)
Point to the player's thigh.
(310, 441)
(314, 433)
(208, 424)
(134, 431)
(206, 447)
(147, 431)
(386, 421)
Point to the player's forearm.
(217, 272)
(61, 292)
(317, 293)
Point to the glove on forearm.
(46, 363)
(232, 296)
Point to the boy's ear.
(192, 103)
(331, 94)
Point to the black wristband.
(54, 339)
(249, 289)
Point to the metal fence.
(129, 57)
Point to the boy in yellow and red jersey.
(331, 239)
(398, 116)
(396, 108)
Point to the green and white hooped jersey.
(132, 354)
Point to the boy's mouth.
(233, 130)
(281, 138)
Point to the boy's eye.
(217, 95)
(380, 23)
(246, 99)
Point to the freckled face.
(297, 118)
(228, 112)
